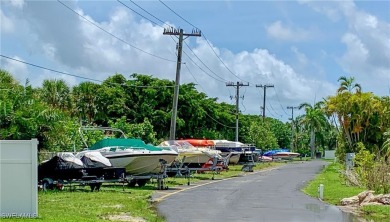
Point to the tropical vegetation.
(140, 105)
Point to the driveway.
(269, 196)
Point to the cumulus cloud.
(7, 26)
(68, 43)
(367, 41)
(280, 31)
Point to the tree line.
(141, 106)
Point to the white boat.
(190, 155)
(239, 151)
(134, 155)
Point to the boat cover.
(274, 152)
(61, 166)
(93, 159)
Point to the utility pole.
(292, 125)
(237, 101)
(181, 34)
(265, 91)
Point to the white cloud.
(279, 31)
(302, 59)
(15, 3)
(367, 40)
(72, 45)
(7, 25)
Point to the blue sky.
(302, 47)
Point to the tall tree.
(56, 93)
(85, 97)
(314, 120)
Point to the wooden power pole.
(181, 34)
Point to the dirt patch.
(124, 217)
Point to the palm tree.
(314, 120)
(85, 97)
(56, 93)
(346, 84)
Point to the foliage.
(386, 144)
(375, 175)
(335, 188)
(362, 118)
(143, 131)
(261, 135)
(141, 106)
(314, 121)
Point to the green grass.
(335, 189)
(334, 186)
(377, 213)
(83, 205)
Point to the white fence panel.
(18, 178)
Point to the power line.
(77, 76)
(205, 92)
(97, 26)
(201, 68)
(220, 59)
(139, 13)
(270, 104)
(204, 63)
(178, 14)
(280, 102)
(147, 12)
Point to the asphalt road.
(269, 196)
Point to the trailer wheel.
(132, 183)
(46, 185)
(142, 182)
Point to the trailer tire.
(47, 185)
(142, 182)
(132, 183)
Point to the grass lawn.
(83, 205)
(335, 189)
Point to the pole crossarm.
(176, 31)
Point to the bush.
(373, 175)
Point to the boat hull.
(141, 164)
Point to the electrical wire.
(279, 101)
(148, 12)
(139, 14)
(77, 76)
(220, 59)
(122, 40)
(205, 92)
(270, 104)
(178, 15)
(201, 67)
(203, 62)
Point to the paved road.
(269, 196)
